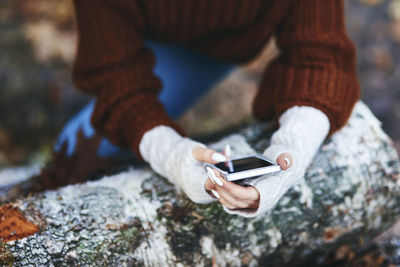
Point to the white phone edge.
(250, 173)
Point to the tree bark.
(349, 195)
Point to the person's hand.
(301, 132)
(207, 155)
(231, 195)
(180, 160)
(234, 196)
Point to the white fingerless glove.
(302, 131)
(170, 155)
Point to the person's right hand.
(180, 160)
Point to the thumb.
(285, 160)
(207, 155)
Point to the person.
(129, 50)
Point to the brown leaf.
(13, 224)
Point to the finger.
(209, 185)
(234, 190)
(228, 151)
(207, 155)
(226, 204)
(215, 176)
(285, 160)
(235, 203)
(215, 193)
(238, 192)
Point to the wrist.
(302, 130)
(170, 155)
(302, 123)
(162, 137)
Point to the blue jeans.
(186, 74)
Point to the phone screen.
(244, 164)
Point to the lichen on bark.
(350, 192)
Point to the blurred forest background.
(37, 45)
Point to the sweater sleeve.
(113, 63)
(316, 67)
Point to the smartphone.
(246, 167)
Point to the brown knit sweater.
(317, 65)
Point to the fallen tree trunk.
(350, 194)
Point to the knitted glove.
(170, 155)
(301, 133)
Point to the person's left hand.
(234, 196)
(301, 132)
(231, 195)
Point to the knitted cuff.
(143, 117)
(302, 128)
(170, 155)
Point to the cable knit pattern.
(170, 155)
(302, 131)
(317, 65)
